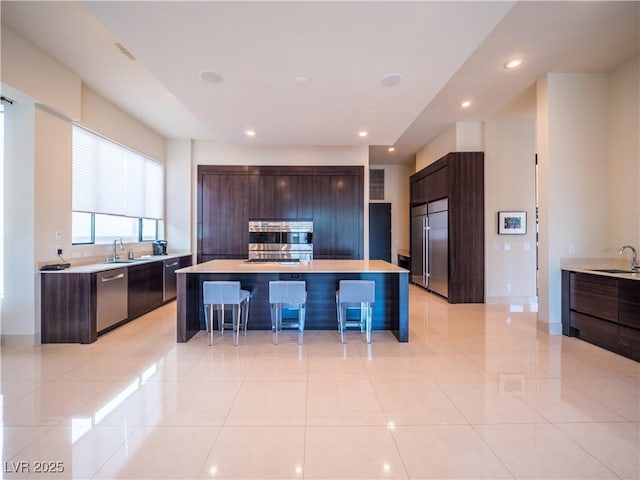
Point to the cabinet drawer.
(594, 295)
(594, 330)
(629, 308)
(629, 341)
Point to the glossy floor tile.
(477, 392)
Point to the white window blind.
(113, 180)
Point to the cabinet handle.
(171, 264)
(115, 277)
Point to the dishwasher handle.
(110, 279)
(169, 265)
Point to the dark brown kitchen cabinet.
(595, 295)
(458, 177)
(223, 213)
(280, 193)
(69, 301)
(429, 185)
(68, 307)
(349, 216)
(332, 197)
(145, 288)
(337, 216)
(602, 310)
(629, 304)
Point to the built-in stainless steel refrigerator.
(430, 246)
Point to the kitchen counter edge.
(314, 266)
(593, 271)
(102, 267)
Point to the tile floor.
(478, 392)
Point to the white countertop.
(313, 266)
(594, 271)
(101, 267)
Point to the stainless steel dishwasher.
(112, 297)
(169, 285)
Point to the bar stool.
(355, 294)
(220, 295)
(289, 295)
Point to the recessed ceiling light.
(513, 63)
(391, 79)
(250, 133)
(362, 133)
(211, 76)
(466, 104)
(392, 149)
(303, 81)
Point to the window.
(116, 192)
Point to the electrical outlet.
(58, 235)
(58, 249)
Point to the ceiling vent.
(125, 52)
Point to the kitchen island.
(390, 311)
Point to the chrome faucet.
(115, 255)
(634, 257)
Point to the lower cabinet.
(602, 310)
(71, 303)
(68, 307)
(145, 288)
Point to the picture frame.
(512, 223)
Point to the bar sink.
(611, 270)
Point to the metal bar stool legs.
(353, 294)
(290, 295)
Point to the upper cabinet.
(228, 196)
(223, 212)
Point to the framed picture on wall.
(512, 223)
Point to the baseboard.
(524, 301)
(20, 340)
(550, 328)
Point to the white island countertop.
(312, 266)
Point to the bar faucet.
(634, 257)
(115, 255)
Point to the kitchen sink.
(127, 260)
(611, 270)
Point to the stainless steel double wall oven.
(280, 240)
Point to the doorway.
(380, 231)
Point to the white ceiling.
(445, 52)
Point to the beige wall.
(18, 306)
(103, 117)
(437, 148)
(30, 71)
(510, 260)
(211, 153)
(624, 155)
(179, 201)
(573, 171)
(459, 137)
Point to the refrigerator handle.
(425, 250)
